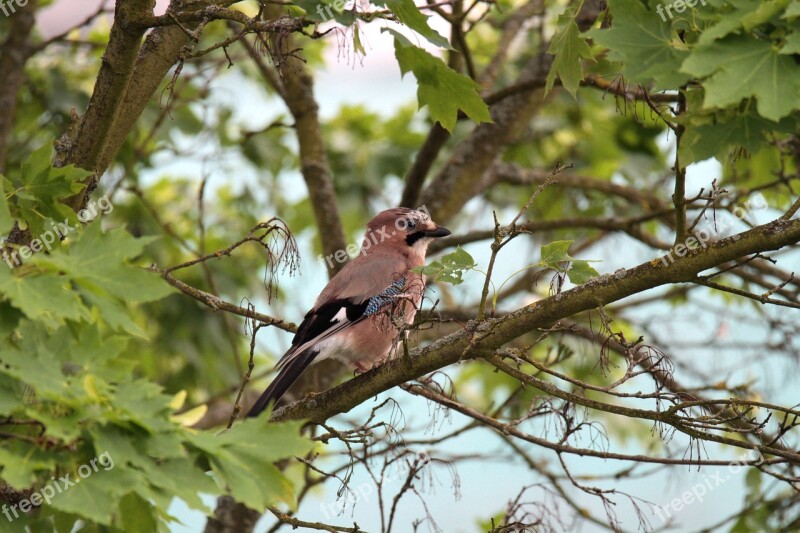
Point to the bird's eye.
(405, 223)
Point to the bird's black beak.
(440, 231)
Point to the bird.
(359, 315)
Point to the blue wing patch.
(384, 297)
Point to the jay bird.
(359, 314)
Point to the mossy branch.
(481, 339)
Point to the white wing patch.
(341, 315)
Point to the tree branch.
(423, 161)
(466, 172)
(299, 97)
(628, 226)
(85, 142)
(481, 339)
(14, 53)
(516, 175)
(158, 54)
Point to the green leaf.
(114, 313)
(792, 43)
(729, 22)
(39, 189)
(46, 298)
(644, 43)
(766, 10)
(247, 438)
(450, 269)
(136, 514)
(63, 427)
(567, 47)
(9, 317)
(11, 394)
(21, 464)
(460, 259)
(95, 497)
(753, 481)
(98, 262)
(325, 10)
(315, 10)
(555, 255)
(717, 139)
(38, 163)
(555, 252)
(740, 14)
(184, 480)
(35, 362)
(63, 522)
(581, 272)
(740, 67)
(409, 14)
(142, 403)
(442, 89)
(177, 477)
(243, 461)
(167, 445)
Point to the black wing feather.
(316, 324)
(285, 379)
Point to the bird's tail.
(285, 379)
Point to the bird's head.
(407, 229)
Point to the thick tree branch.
(84, 144)
(14, 53)
(298, 94)
(157, 56)
(466, 172)
(127, 80)
(423, 161)
(481, 339)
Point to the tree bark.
(14, 53)
(481, 339)
(467, 171)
